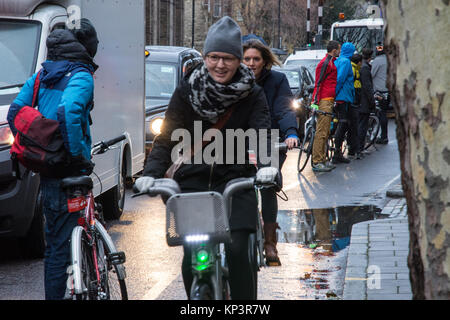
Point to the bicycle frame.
(93, 229)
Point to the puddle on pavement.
(323, 236)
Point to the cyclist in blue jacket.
(66, 95)
(345, 95)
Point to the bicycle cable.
(285, 195)
(101, 186)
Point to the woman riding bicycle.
(260, 59)
(219, 85)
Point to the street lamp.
(279, 24)
(193, 19)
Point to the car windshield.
(293, 78)
(18, 51)
(361, 37)
(310, 64)
(160, 79)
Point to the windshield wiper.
(12, 86)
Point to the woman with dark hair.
(260, 59)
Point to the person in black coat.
(260, 59)
(219, 86)
(367, 98)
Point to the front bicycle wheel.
(305, 150)
(202, 291)
(372, 131)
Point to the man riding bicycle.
(220, 90)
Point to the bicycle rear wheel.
(110, 262)
(112, 286)
(372, 131)
(305, 150)
(84, 279)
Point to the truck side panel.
(119, 82)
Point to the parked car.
(301, 83)
(164, 69)
(307, 58)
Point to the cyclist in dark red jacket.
(324, 94)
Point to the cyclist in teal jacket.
(65, 94)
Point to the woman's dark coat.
(279, 97)
(367, 99)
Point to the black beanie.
(87, 36)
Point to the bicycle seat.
(81, 181)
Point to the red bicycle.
(97, 271)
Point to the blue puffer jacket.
(345, 89)
(65, 94)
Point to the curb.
(377, 258)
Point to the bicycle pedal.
(117, 257)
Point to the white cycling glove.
(268, 175)
(143, 184)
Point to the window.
(217, 13)
(19, 42)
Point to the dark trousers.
(347, 124)
(362, 129)
(382, 115)
(353, 134)
(269, 202)
(58, 231)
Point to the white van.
(119, 101)
(308, 58)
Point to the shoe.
(330, 165)
(359, 156)
(381, 141)
(270, 244)
(321, 167)
(352, 156)
(337, 158)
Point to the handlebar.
(103, 146)
(319, 111)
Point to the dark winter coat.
(279, 97)
(250, 112)
(367, 99)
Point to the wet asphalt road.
(153, 269)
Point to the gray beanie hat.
(224, 36)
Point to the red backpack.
(38, 144)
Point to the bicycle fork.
(209, 266)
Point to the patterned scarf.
(211, 99)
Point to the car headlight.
(6, 136)
(155, 125)
(296, 103)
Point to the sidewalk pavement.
(377, 259)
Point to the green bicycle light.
(202, 256)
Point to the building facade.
(202, 14)
(164, 22)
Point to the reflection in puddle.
(331, 227)
(323, 235)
